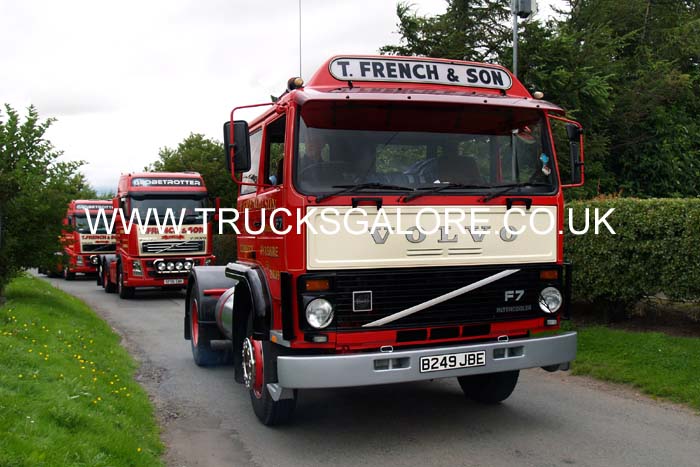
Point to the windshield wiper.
(512, 186)
(361, 186)
(430, 190)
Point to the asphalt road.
(550, 420)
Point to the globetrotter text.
(356, 221)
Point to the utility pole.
(520, 9)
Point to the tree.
(35, 188)
(469, 30)
(629, 71)
(204, 155)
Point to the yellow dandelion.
(20, 376)
(30, 350)
(138, 449)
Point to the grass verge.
(655, 363)
(67, 389)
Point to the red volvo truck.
(157, 255)
(388, 138)
(81, 247)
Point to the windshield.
(82, 224)
(419, 147)
(160, 205)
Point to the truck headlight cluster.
(136, 267)
(550, 300)
(79, 261)
(94, 260)
(319, 313)
(173, 266)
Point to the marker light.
(316, 285)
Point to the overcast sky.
(126, 78)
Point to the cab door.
(270, 245)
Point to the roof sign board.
(161, 181)
(419, 71)
(92, 207)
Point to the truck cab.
(151, 251)
(83, 244)
(401, 219)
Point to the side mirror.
(575, 134)
(239, 146)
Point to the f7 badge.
(513, 295)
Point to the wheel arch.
(252, 284)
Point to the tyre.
(202, 353)
(490, 388)
(107, 284)
(124, 291)
(67, 275)
(98, 276)
(257, 366)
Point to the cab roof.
(418, 79)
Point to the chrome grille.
(174, 246)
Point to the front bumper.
(332, 371)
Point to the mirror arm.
(232, 143)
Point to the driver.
(313, 148)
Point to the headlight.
(319, 313)
(170, 266)
(188, 265)
(550, 300)
(161, 266)
(94, 260)
(178, 265)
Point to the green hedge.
(224, 248)
(655, 250)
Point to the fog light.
(207, 261)
(160, 266)
(178, 265)
(188, 265)
(319, 313)
(170, 266)
(136, 268)
(550, 300)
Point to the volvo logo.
(414, 235)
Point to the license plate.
(173, 281)
(452, 361)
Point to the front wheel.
(124, 291)
(107, 284)
(67, 275)
(202, 352)
(256, 364)
(490, 388)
